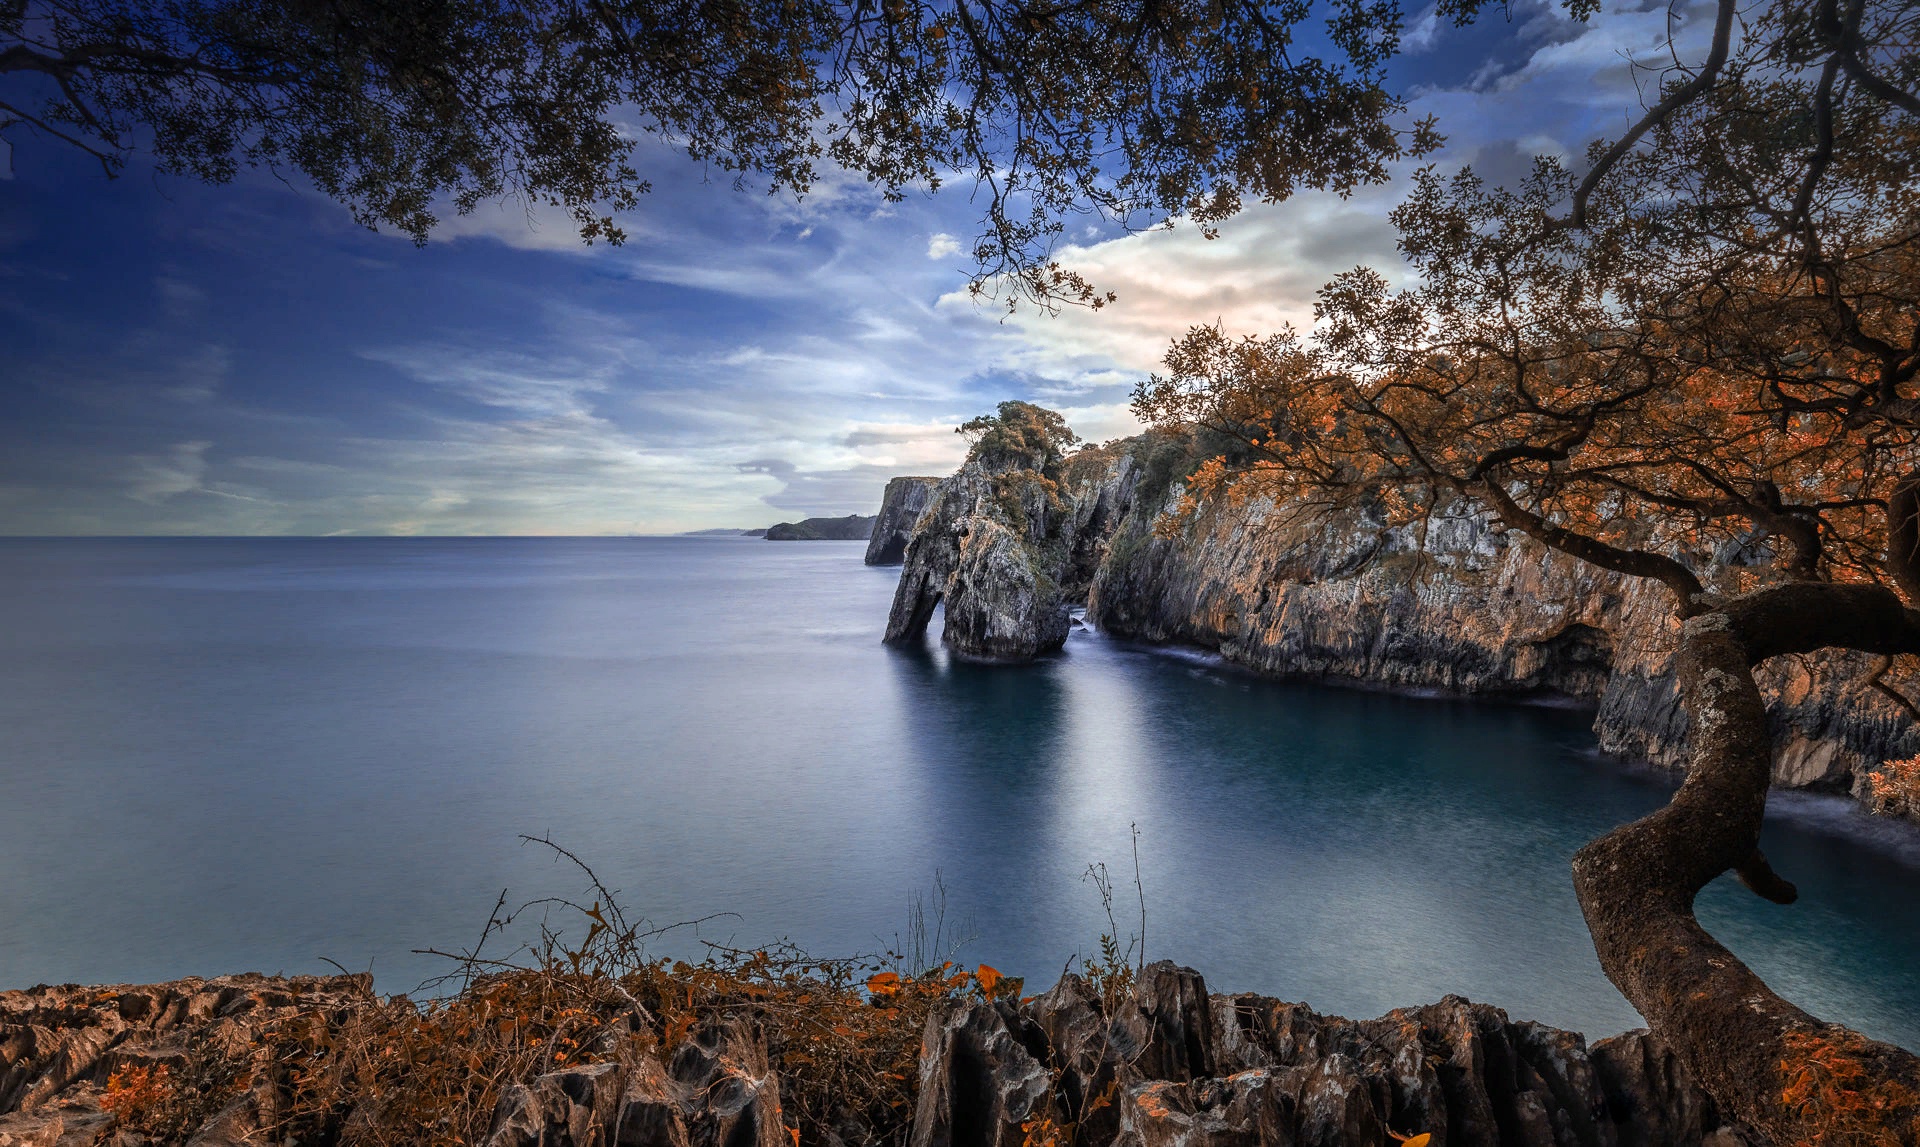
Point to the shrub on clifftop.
(1021, 436)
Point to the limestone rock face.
(1006, 548)
(1464, 607)
(900, 507)
(717, 1090)
(60, 1045)
(979, 1081)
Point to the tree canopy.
(1133, 110)
(1694, 362)
(1019, 435)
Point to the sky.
(243, 359)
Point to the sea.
(298, 755)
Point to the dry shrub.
(1893, 789)
(843, 1034)
(139, 1095)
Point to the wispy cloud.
(158, 477)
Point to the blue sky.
(182, 359)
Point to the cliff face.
(1464, 608)
(1006, 544)
(1006, 552)
(1457, 605)
(900, 507)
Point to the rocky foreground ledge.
(1165, 1065)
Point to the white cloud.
(1259, 274)
(524, 226)
(942, 245)
(1569, 83)
(158, 477)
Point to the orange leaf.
(989, 978)
(883, 983)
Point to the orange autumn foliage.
(136, 1094)
(1894, 788)
(1827, 1079)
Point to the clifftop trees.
(1019, 435)
(1131, 109)
(1696, 363)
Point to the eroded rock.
(1456, 604)
(979, 1084)
(901, 505)
(1167, 1066)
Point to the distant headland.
(852, 528)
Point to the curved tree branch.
(1771, 1064)
(1679, 97)
(1687, 590)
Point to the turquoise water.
(251, 754)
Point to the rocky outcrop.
(1006, 545)
(1455, 605)
(1173, 1066)
(1462, 606)
(60, 1046)
(717, 1090)
(852, 528)
(900, 507)
(1002, 601)
(1165, 1064)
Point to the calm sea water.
(247, 755)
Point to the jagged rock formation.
(60, 1045)
(852, 528)
(1001, 604)
(1176, 1067)
(1165, 1065)
(1457, 605)
(717, 1090)
(1006, 544)
(901, 505)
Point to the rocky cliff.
(1161, 1064)
(900, 507)
(1008, 542)
(1455, 605)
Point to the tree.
(1706, 344)
(1019, 435)
(1135, 110)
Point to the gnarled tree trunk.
(1770, 1064)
